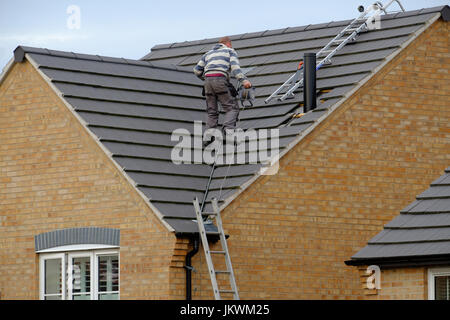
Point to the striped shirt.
(220, 59)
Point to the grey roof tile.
(249, 35)
(404, 250)
(442, 180)
(342, 23)
(433, 9)
(327, 103)
(408, 13)
(409, 207)
(127, 122)
(309, 117)
(138, 110)
(294, 29)
(317, 26)
(275, 31)
(114, 82)
(435, 192)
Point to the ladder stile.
(223, 240)
(205, 244)
(224, 252)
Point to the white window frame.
(70, 256)
(432, 274)
(42, 260)
(67, 268)
(96, 255)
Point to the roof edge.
(345, 98)
(445, 13)
(396, 262)
(97, 141)
(19, 54)
(21, 51)
(6, 70)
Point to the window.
(52, 284)
(108, 277)
(79, 275)
(439, 284)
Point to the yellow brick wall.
(291, 233)
(52, 176)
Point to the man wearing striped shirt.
(215, 68)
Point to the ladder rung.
(324, 54)
(291, 96)
(217, 252)
(227, 291)
(223, 271)
(209, 214)
(351, 30)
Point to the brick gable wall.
(291, 233)
(53, 176)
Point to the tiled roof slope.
(133, 106)
(275, 54)
(422, 230)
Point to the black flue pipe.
(309, 82)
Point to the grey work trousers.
(216, 90)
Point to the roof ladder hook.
(382, 7)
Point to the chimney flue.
(309, 82)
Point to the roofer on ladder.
(214, 68)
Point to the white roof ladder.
(365, 21)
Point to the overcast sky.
(130, 28)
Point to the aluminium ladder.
(201, 216)
(348, 34)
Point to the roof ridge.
(20, 51)
(287, 30)
(407, 242)
(417, 227)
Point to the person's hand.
(247, 84)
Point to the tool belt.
(214, 75)
(233, 91)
